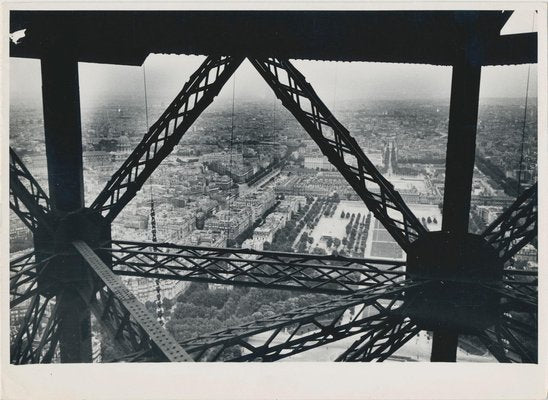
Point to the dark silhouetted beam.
(164, 134)
(516, 227)
(243, 267)
(380, 344)
(27, 199)
(63, 139)
(128, 37)
(119, 307)
(38, 335)
(341, 149)
(292, 332)
(24, 273)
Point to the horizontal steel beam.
(244, 267)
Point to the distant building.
(318, 163)
(145, 289)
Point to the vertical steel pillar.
(461, 147)
(61, 102)
(63, 137)
(459, 170)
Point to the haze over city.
(246, 175)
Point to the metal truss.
(24, 272)
(115, 305)
(516, 227)
(37, 338)
(341, 149)
(512, 339)
(518, 294)
(272, 270)
(27, 199)
(523, 284)
(373, 293)
(381, 343)
(295, 331)
(165, 133)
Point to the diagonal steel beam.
(296, 331)
(164, 134)
(380, 344)
(512, 340)
(126, 314)
(342, 150)
(516, 227)
(38, 336)
(27, 199)
(24, 273)
(243, 267)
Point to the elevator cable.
(230, 174)
(524, 126)
(158, 302)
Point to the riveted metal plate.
(161, 338)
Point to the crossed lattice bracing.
(341, 149)
(305, 272)
(369, 297)
(37, 337)
(295, 331)
(381, 343)
(164, 134)
(516, 226)
(27, 199)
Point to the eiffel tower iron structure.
(451, 283)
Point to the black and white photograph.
(229, 186)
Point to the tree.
(266, 245)
(310, 239)
(329, 242)
(337, 242)
(429, 220)
(435, 220)
(344, 241)
(342, 214)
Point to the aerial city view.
(246, 175)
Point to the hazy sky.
(333, 81)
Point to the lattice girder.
(516, 227)
(274, 270)
(121, 313)
(295, 331)
(165, 133)
(37, 338)
(341, 149)
(27, 199)
(380, 344)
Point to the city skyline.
(276, 209)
